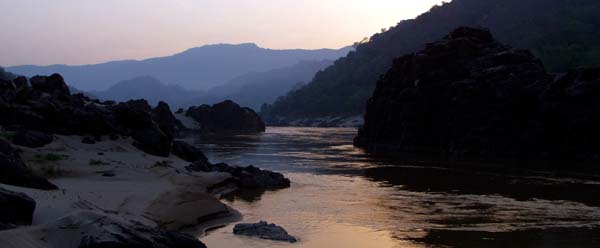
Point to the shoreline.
(115, 180)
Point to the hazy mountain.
(197, 68)
(563, 33)
(251, 90)
(149, 88)
(256, 88)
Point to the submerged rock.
(226, 117)
(264, 230)
(15, 209)
(251, 177)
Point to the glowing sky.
(91, 31)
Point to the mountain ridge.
(195, 68)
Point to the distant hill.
(251, 90)
(256, 88)
(197, 68)
(149, 88)
(563, 33)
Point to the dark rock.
(113, 136)
(32, 139)
(15, 208)
(109, 174)
(88, 140)
(187, 152)
(7, 226)
(13, 170)
(54, 84)
(165, 119)
(254, 178)
(135, 118)
(48, 106)
(264, 230)
(468, 97)
(112, 233)
(179, 111)
(199, 166)
(226, 117)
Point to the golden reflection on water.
(323, 211)
(335, 235)
(331, 205)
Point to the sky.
(76, 32)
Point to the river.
(333, 203)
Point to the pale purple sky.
(91, 31)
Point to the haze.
(73, 32)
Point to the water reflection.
(342, 197)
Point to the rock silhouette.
(468, 97)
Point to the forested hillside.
(563, 33)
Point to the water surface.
(338, 200)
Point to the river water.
(336, 201)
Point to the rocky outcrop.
(13, 170)
(165, 119)
(468, 97)
(248, 177)
(226, 117)
(135, 116)
(48, 106)
(33, 139)
(187, 152)
(91, 229)
(251, 177)
(15, 209)
(263, 230)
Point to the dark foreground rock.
(48, 106)
(264, 230)
(33, 139)
(187, 152)
(226, 117)
(166, 121)
(13, 170)
(141, 237)
(15, 209)
(468, 97)
(98, 230)
(135, 116)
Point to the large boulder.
(33, 139)
(54, 84)
(165, 119)
(15, 208)
(101, 230)
(188, 152)
(251, 177)
(467, 97)
(13, 170)
(135, 119)
(226, 117)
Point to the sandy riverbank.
(113, 182)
